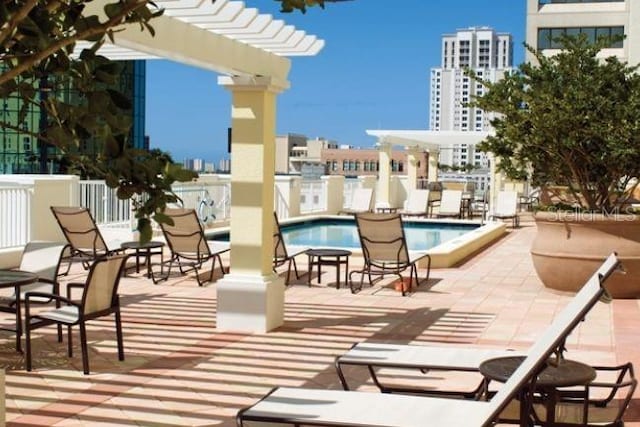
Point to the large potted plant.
(570, 123)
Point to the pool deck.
(180, 372)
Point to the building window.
(345, 165)
(547, 37)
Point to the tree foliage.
(38, 53)
(571, 120)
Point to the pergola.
(414, 142)
(250, 50)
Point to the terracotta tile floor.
(180, 372)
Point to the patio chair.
(189, 247)
(507, 207)
(303, 406)
(417, 203)
(385, 250)
(83, 235)
(43, 259)
(281, 255)
(376, 356)
(99, 298)
(360, 201)
(450, 204)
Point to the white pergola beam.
(428, 139)
(183, 42)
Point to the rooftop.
(179, 371)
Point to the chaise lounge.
(303, 406)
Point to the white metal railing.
(15, 215)
(104, 205)
(211, 200)
(349, 186)
(313, 196)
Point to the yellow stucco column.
(432, 172)
(383, 192)
(413, 160)
(251, 296)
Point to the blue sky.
(373, 73)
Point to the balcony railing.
(15, 215)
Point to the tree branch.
(61, 43)
(7, 29)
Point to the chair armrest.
(29, 295)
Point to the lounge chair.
(83, 235)
(303, 406)
(385, 250)
(417, 204)
(99, 298)
(281, 255)
(419, 357)
(189, 247)
(507, 207)
(450, 204)
(360, 201)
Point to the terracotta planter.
(569, 247)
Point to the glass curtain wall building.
(20, 152)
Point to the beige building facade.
(358, 162)
(548, 19)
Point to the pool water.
(343, 233)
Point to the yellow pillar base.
(249, 303)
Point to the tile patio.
(180, 372)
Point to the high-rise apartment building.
(490, 55)
(548, 19)
(21, 152)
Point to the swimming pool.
(342, 233)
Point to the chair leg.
(27, 342)
(119, 335)
(200, 282)
(295, 268)
(286, 282)
(59, 326)
(69, 342)
(84, 347)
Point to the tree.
(570, 120)
(37, 52)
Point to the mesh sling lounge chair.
(303, 406)
(43, 259)
(189, 247)
(417, 203)
(83, 235)
(618, 381)
(419, 357)
(281, 255)
(99, 298)
(360, 201)
(385, 251)
(507, 207)
(450, 204)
